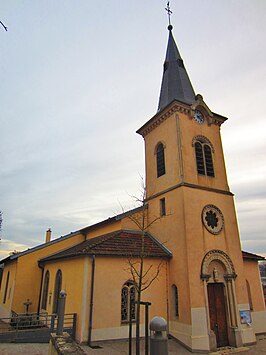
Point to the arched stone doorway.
(218, 275)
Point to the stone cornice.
(192, 186)
(189, 110)
(156, 120)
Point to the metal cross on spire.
(169, 12)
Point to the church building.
(198, 278)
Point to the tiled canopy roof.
(119, 243)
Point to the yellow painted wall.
(110, 275)
(108, 228)
(28, 274)
(177, 133)
(200, 241)
(171, 231)
(133, 222)
(182, 229)
(252, 275)
(5, 308)
(72, 282)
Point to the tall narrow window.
(199, 158)
(1, 276)
(204, 161)
(45, 290)
(208, 160)
(6, 288)
(162, 207)
(249, 296)
(128, 297)
(57, 289)
(160, 160)
(175, 300)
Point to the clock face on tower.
(198, 117)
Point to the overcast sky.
(78, 78)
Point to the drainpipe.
(40, 294)
(91, 300)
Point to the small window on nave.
(45, 290)
(175, 301)
(6, 287)
(57, 289)
(249, 296)
(128, 298)
(162, 207)
(160, 160)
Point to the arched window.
(45, 289)
(128, 296)
(175, 300)
(160, 160)
(6, 288)
(203, 152)
(249, 296)
(57, 289)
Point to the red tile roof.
(120, 243)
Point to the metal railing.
(33, 327)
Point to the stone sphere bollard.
(158, 338)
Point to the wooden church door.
(218, 321)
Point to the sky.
(78, 78)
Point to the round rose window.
(212, 219)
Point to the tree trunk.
(138, 309)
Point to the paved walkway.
(121, 348)
(25, 349)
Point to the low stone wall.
(63, 345)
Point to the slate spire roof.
(176, 84)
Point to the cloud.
(8, 246)
(73, 96)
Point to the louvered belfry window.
(199, 158)
(160, 160)
(208, 160)
(204, 159)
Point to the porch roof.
(119, 243)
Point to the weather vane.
(169, 12)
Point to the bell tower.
(187, 186)
(192, 124)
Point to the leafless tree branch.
(158, 269)
(3, 25)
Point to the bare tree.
(142, 277)
(1, 220)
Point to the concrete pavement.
(121, 348)
(26, 349)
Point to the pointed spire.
(175, 83)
